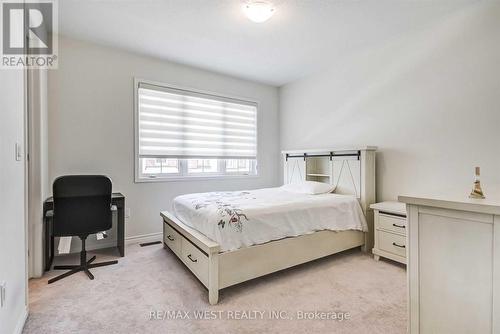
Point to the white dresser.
(453, 265)
(390, 231)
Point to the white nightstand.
(390, 231)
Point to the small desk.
(117, 199)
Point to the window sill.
(194, 178)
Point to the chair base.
(73, 269)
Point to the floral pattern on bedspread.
(230, 214)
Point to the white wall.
(12, 202)
(430, 101)
(91, 124)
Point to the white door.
(12, 200)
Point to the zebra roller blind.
(176, 123)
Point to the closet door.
(295, 170)
(12, 198)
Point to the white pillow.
(309, 187)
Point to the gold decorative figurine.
(477, 192)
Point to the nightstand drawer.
(392, 243)
(392, 223)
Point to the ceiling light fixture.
(258, 11)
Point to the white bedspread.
(243, 218)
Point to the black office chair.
(82, 206)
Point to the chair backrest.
(82, 205)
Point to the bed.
(272, 229)
(239, 219)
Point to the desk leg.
(121, 228)
(46, 241)
(52, 248)
(49, 244)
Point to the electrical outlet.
(2, 293)
(127, 212)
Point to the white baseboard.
(151, 237)
(108, 244)
(90, 246)
(22, 320)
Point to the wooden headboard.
(352, 170)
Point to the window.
(187, 134)
(238, 166)
(203, 166)
(154, 166)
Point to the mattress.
(239, 219)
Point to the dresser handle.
(401, 246)
(400, 226)
(169, 237)
(189, 257)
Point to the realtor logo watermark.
(316, 315)
(29, 34)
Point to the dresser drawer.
(392, 243)
(392, 223)
(196, 260)
(172, 239)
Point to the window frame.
(183, 174)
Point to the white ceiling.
(302, 37)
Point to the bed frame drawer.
(392, 223)
(392, 243)
(196, 260)
(172, 239)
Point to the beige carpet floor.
(149, 279)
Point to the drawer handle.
(401, 246)
(193, 260)
(400, 226)
(169, 237)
